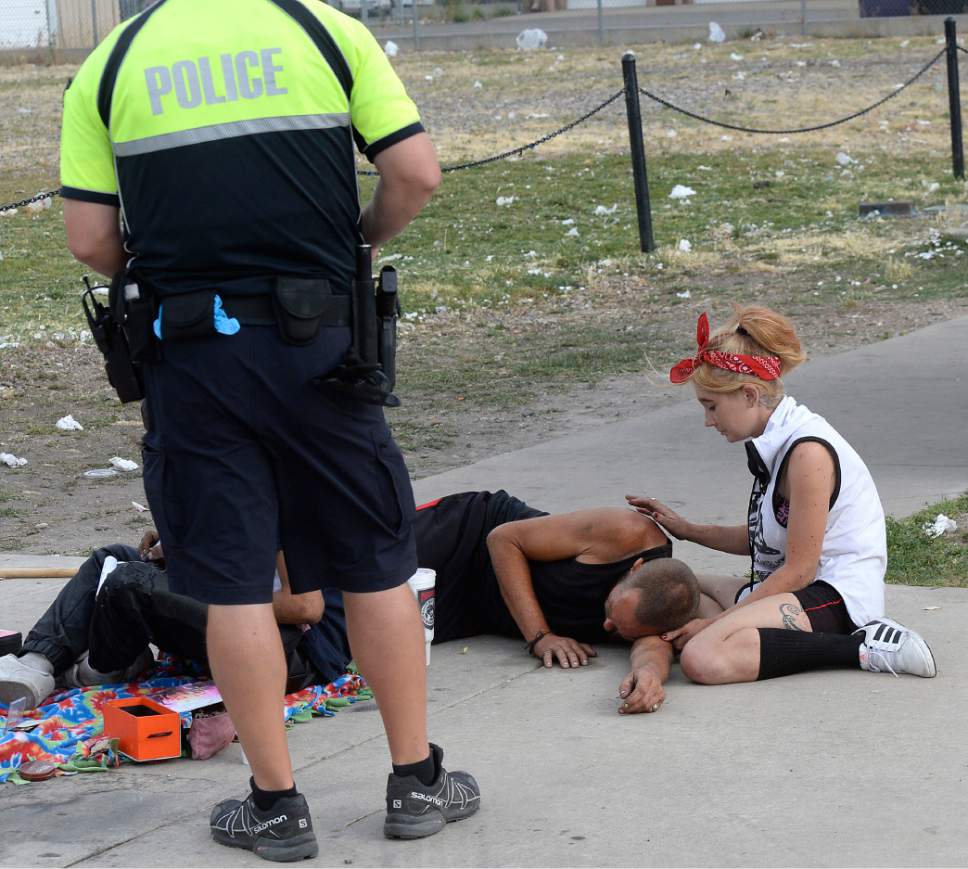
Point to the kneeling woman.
(815, 529)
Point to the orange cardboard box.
(145, 730)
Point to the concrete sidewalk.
(847, 769)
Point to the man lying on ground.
(97, 633)
(562, 582)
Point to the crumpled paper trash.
(11, 461)
(530, 39)
(680, 191)
(123, 464)
(391, 49)
(941, 525)
(716, 33)
(68, 423)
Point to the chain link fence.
(78, 25)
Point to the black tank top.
(452, 539)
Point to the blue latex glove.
(223, 324)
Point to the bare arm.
(733, 539)
(94, 235)
(409, 175)
(598, 536)
(295, 609)
(641, 690)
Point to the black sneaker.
(282, 834)
(415, 810)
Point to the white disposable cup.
(423, 585)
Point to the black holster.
(368, 370)
(124, 374)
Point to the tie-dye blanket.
(70, 725)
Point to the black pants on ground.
(134, 609)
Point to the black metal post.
(640, 178)
(954, 99)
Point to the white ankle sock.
(36, 661)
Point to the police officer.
(223, 134)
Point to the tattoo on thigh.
(790, 612)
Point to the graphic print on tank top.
(765, 559)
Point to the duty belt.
(260, 310)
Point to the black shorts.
(245, 453)
(825, 608)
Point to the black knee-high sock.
(783, 652)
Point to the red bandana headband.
(764, 367)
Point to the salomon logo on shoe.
(259, 828)
(427, 798)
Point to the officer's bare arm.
(409, 175)
(94, 235)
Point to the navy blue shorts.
(245, 454)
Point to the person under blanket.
(98, 633)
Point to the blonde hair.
(752, 331)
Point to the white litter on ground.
(11, 461)
(573, 232)
(68, 423)
(685, 294)
(477, 85)
(716, 33)
(530, 39)
(391, 49)
(685, 246)
(39, 205)
(123, 464)
(844, 159)
(139, 507)
(601, 209)
(680, 191)
(505, 200)
(736, 57)
(941, 525)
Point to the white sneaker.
(892, 648)
(19, 680)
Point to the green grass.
(913, 558)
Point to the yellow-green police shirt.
(224, 131)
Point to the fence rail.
(77, 25)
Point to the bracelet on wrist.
(537, 639)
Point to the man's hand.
(569, 652)
(641, 691)
(680, 636)
(150, 547)
(665, 518)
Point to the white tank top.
(853, 557)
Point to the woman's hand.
(680, 636)
(569, 652)
(668, 519)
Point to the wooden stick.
(37, 572)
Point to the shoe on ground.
(282, 834)
(17, 680)
(82, 675)
(415, 810)
(893, 648)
